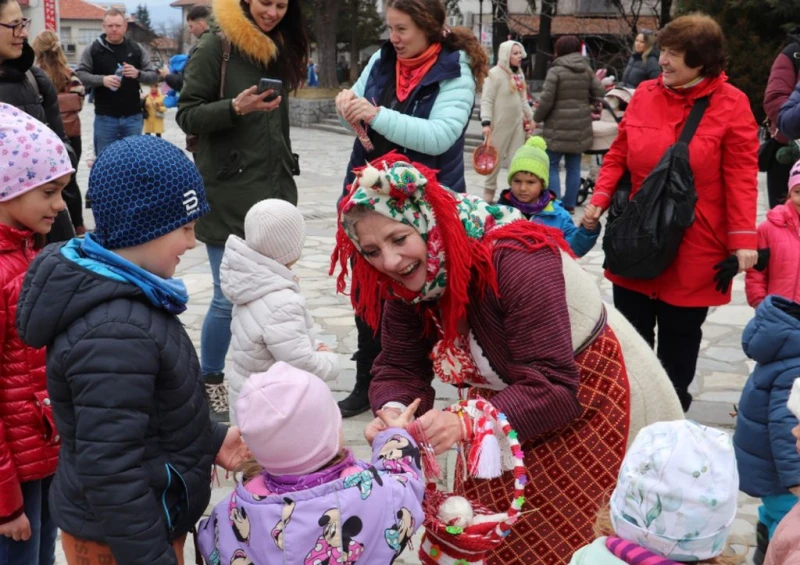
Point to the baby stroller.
(604, 132)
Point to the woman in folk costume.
(478, 297)
(506, 115)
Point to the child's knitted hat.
(276, 229)
(289, 420)
(31, 154)
(677, 491)
(141, 188)
(531, 158)
(794, 176)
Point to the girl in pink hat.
(34, 169)
(780, 232)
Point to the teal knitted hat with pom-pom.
(531, 158)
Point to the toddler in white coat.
(270, 320)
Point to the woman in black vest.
(415, 96)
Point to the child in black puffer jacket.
(128, 400)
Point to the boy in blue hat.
(529, 175)
(138, 444)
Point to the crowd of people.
(111, 423)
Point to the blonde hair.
(604, 527)
(51, 59)
(649, 39)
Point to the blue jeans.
(216, 335)
(41, 548)
(108, 129)
(573, 166)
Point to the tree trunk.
(666, 12)
(355, 47)
(499, 24)
(325, 27)
(543, 41)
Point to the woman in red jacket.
(30, 199)
(723, 157)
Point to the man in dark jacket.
(783, 77)
(115, 67)
(28, 88)
(197, 23)
(128, 401)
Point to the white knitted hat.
(276, 229)
(677, 491)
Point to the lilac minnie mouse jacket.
(353, 512)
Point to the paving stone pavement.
(722, 367)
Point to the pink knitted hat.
(289, 420)
(794, 176)
(30, 153)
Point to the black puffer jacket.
(129, 404)
(16, 89)
(639, 70)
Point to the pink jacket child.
(781, 233)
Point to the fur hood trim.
(243, 33)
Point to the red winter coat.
(28, 442)
(723, 157)
(781, 233)
(781, 83)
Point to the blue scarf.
(168, 294)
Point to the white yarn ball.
(456, 511)
(369, 177)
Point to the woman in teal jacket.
(415, 96)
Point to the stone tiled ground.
(722, 368)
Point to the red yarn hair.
(469, 261)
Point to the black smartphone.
(270, 84)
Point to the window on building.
(66, 34)
(87, 35)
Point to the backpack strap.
(32, 80)
(698, 109)
(226, 55)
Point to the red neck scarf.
(409, 72)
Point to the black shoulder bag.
(644, 237)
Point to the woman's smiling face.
(396, 250)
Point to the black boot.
(369, 346)
(762, 541)
(217, 396)
(358, 400)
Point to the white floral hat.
(677, 491)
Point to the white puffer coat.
(270, 319)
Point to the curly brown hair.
(430, 17)
(604, 527)
(700, 39)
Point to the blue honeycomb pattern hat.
(141, 188)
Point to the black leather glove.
(728, 269)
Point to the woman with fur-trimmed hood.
(505, 112)
(244, 152)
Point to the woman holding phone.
(243, 148)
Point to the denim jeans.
(108, 129)
(41, 548)
(216, 335)
(573, 166)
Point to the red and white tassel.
(485, 457)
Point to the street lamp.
(480, 22)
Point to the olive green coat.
(565, 105)
(243, 159)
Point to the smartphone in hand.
(270, 84)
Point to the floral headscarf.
(461, 231)
(398, 192)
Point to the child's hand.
(18, 529)
(322, 347)
(233, 451)
(394, 420)
(795, 490)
